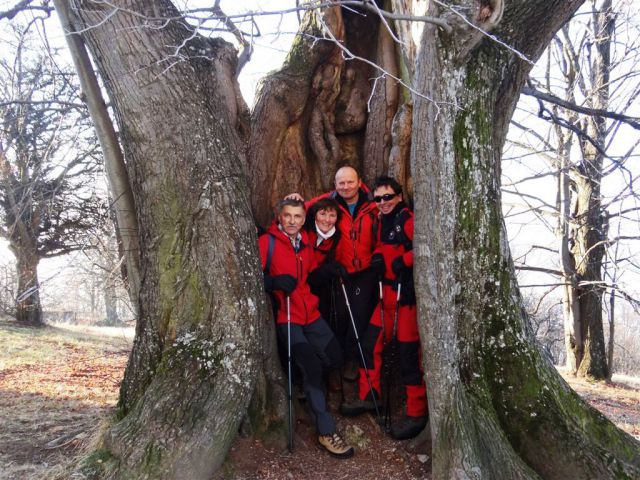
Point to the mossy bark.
(196, 355)
(498, 407)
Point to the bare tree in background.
(48, 167)
(590, 113)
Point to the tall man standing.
(357, 226)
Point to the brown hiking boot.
(358, 407)
(350, 371)
(335, 445)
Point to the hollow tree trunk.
(196, 354)
(28, 308)
(499, 410)
(318, 112)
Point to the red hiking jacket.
(358, 233)
(327, 249)
(285, 260)
(395, 238)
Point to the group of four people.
(362, 243)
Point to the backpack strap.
(398, 229)
(272, 244)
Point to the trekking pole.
(333, 323)
(290, 439)
(364, 365)
(395, 319)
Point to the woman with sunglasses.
(393, 260)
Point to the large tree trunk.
(28, 308)
(110, 301)
(498, 407)
(196, 354)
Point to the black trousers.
(362, 290)
(314, 349)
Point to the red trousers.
(408, 351)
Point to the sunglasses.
(386, 197)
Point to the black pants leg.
(362, 290)
(314, 348)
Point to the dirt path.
(56, 386)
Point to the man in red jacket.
(357, 226)
(287, 260)
(393, 261)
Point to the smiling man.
(287, 259)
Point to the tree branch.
(21, 7)
(550, 271)
(547, 97)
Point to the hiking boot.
(335, 445)
(350, 371)
(358, 407)
(408, 427)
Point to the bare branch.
(547, 97)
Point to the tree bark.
(28, 308)
(196, 354)
(110, 302)
(312, 116)
(498, 407)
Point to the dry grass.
(55, 388)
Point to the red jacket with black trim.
(395, 238)
(326, 250)
(285, 260)
(358, 232)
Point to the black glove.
(335, 269)
(324, 273)
(408, 292)
(398, 266)
(377, 264)
(286, 283)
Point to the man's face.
(392, 199)
(347, 184)
(291, 218)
